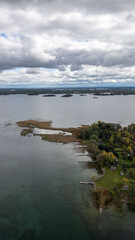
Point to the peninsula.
(109, 145)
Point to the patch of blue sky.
(18, 69)
(82, 41)
(17, 35)
(13, 70)
(3, 35)
(50, 70)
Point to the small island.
(49, 95)
(67, 95)
(111, 148)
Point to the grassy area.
(107, 181)
(121, 160)
(118, 149)
(87, 140)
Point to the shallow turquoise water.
(40, 194)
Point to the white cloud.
(84, 42)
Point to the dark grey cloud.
(96, 6)
(73, 58)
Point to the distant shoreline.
(103, 91)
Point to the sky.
(67, 43)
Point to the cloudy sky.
(58, 43)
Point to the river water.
(40, 194)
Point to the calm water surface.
(40, 194)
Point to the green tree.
(111, 158)
(94, 136)
(111, 140)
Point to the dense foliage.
(105, 138)
(113, 147)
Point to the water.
(40, 194)
(49, 131)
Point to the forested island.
(110, 146)
(67, 95)
(49, 95)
